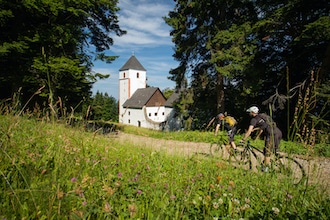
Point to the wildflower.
(247, 200)
(119, 175)
(135, 178)
(117, 184)
(220, 201)
(218, 178)
(225, 195)
(236, 201)
(231, 183)
(172, 197)
(79, 191)
(139, 191)
(107, 207)
(142, 154)
(289, 196)
(211, 186)
(84, 203)
(215, 205)
(132, 210)
(108, 190)
(275, 210)
(73, 179)
(60, 195)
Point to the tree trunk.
(219, 89)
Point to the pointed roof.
(173, 98)
(132, 63)
(140, 97)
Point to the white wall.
(129, 81)
(140, 117)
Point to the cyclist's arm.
(216, 129)
(248, 132)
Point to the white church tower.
(132, 76)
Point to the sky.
(148, 38)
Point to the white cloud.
(147, 37)
(143, 22)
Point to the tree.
(211, 44)
(238, 53)
(104, 107)
(54, 43)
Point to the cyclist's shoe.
(265, 169)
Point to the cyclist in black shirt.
(272, 133)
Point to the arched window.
(124, 75)
(137, 75)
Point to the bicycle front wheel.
(243, 158)
(289, 168)
(216, 150)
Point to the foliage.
(234, 54)
(104, 107)
(48, 44)
(52, 171)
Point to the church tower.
(132, 76)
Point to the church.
(144, 106)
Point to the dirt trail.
(318, 169)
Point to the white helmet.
(253, 109)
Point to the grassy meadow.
(54, 171)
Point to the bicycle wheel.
(216, 150)
(243, 158)
(289, 168)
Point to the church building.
(143, 106)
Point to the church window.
(149, 114)
(163, 113)
(155, 113)
(129, 113)
(129, 121)
(137, 75)
(124, 75)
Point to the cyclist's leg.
(268, 149)
(231, 135)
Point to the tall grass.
(51, 171)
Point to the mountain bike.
(281, 164)
(223, 149)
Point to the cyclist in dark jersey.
(272, 133)
(229, 124)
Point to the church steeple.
(133, 64)
(132, 76)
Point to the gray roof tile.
(140, 97)
(132, 63)
(173, 98)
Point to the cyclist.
(229, 124)
(273, 134)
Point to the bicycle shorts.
(272, 142)
(231, 134)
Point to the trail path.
(318, 168)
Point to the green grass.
(51, 171)
(208, 137)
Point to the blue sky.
(148, 37)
